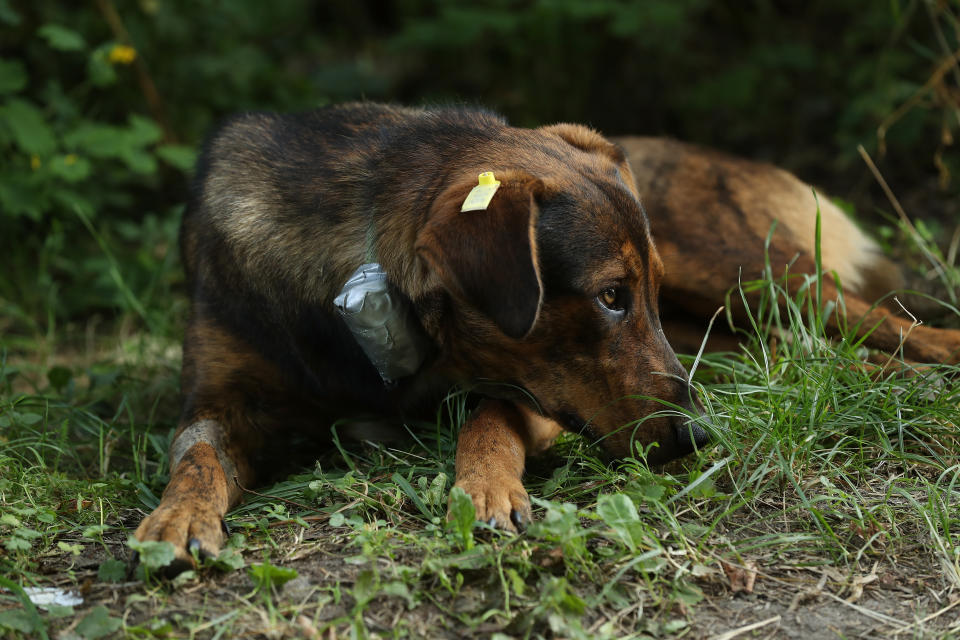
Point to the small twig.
(936, 77)
(733, 633)
(953, 246)
(914, 322)
(925, 620)
(942, 40)
(937, 265)
(864, 611)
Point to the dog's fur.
(554, 289)
(710, 214)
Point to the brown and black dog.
(554, 289)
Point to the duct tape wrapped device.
(383, 323)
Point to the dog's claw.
(196, 545)
(492, 522)
(517, 519)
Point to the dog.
(711, 213)
(546, 295)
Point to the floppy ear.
(489, 257)
(586, 139)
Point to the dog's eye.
(611, 298)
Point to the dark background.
(97, 149)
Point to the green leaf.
(180, 156)
(27, 534)
(267, 575)
(8, 15)
(437, 490)
(620, 514)
(673, 626)
(398, 590)
(10, 520)
(59, 611)
(411, 493)
(143, 131)
(72, 549)
(517, 583)
(59, 376)
(99, 69)
(15, 543)
(17, 620)
(476, 558)
(140, 161)
(462, 515)
(689, 594)
(616, 509)
(649, 492)
(27, 127)
(560, 523)
(364, 588)
(227, 560)
(13, 77)
(153, 554)
(19, 195)
(97, 140)
(98, 624)
(152, 629)
(70, 167)
(112, 570)
(95, 531)
(557, 593)
(183, 578)
(61, 38)
(29, 419)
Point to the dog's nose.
(691, 435)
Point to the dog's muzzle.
(690, 435)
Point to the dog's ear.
(586, 139)
(489, 257)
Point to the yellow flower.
(69, 159)
(121, 54)
(34, 162)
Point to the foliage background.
(97, 147)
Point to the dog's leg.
(889, 332)
(224, 380)
(207, 460)
(491, 449)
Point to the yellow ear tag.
(479, 197)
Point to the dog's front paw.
(500, 502)
(190, 525)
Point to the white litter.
(51, 596)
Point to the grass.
(826, 506)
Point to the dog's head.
(555, 290)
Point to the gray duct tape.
(383, 323)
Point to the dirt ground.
(778, 595)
